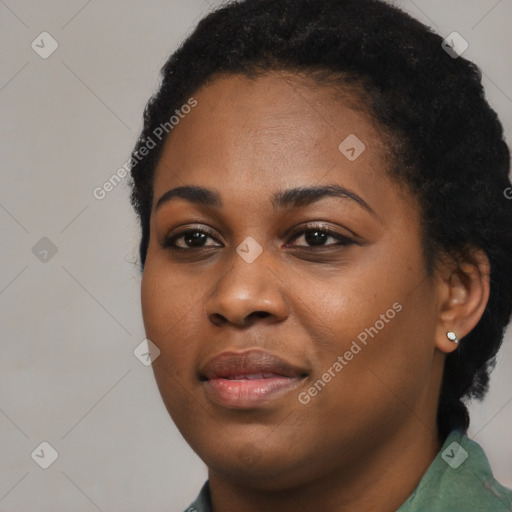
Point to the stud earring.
(452, 337)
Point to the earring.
(452, 337)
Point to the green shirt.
(459, 479)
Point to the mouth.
(249, 379)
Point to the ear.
(462, 293)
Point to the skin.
(365, 440)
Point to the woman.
(326, 250)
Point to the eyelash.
(169, 242)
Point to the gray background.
(70, 324)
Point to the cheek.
(167, 301)
(379, 321)
(167, 309)
(386, 359)
(341, 308)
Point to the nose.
(247, 292)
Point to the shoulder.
(202, 502)
(459, 479)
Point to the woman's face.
(286, 351)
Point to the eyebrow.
(297, 197)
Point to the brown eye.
(317, 236)
(191, 239)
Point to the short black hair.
(446, 141)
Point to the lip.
(245, 380)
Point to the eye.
(196, 238)
(317, 236)
(192, 238)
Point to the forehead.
(272, 131)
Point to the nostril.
(218, 319)
(260, 314)
(255, 315)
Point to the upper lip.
(231, 364)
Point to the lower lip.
(248, 393)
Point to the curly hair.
(446, 143)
